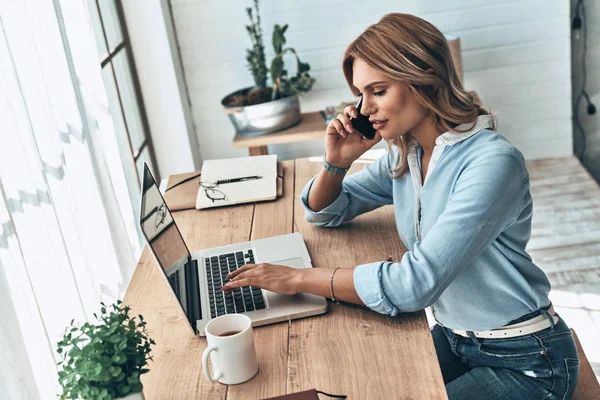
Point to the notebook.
(311, 394)
(182, 190)
(213, 193)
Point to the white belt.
(519, 329)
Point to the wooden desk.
(312, 126)
(346, 351)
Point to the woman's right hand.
(342, 144)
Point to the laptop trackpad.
(291, 262)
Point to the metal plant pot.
(263, 118)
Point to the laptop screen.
(165, 241)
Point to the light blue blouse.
(466, 228)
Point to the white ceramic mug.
(231, 349)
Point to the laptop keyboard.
(175, 284)
(247, 298)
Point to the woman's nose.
(367, 108)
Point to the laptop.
(197, 278)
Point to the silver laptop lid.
(168, 247)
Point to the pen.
(232, 180)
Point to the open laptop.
(197, 278)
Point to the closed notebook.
(213, 192)
(305, 395)
(182, 189)
(311, 394)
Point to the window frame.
(107, 61)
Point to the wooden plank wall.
(516, 54)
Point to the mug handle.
(218, 374)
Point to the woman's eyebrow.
(373, 84)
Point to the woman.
(463, 208)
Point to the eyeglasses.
(161, 214)
(212, 192)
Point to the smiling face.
(390, 104)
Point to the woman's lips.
(379, 124)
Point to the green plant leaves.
(278, 37)
(283, 85)
(115, 338)
(276, 67)
(136, 387)
(303, 67)
(124, 389)
(256, 55)
(104, 360)
(302, 82)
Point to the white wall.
(516, 55)
(162, 84)
(590, 123)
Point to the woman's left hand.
(275, 278)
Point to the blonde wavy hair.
(409, 49)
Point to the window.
(122, 87)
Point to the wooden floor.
(565, 243)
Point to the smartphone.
(362, 125)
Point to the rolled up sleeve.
(487, 198)
(368, 284)
(361, 192)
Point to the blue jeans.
(541, 365)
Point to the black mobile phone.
(362, 125)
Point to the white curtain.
(67, 234)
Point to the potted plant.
(261, 108)
(104, 360)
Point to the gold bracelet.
(331, 285)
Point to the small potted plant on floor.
(105, 360)
(268, 108)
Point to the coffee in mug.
(229, 333)
(231, 349)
